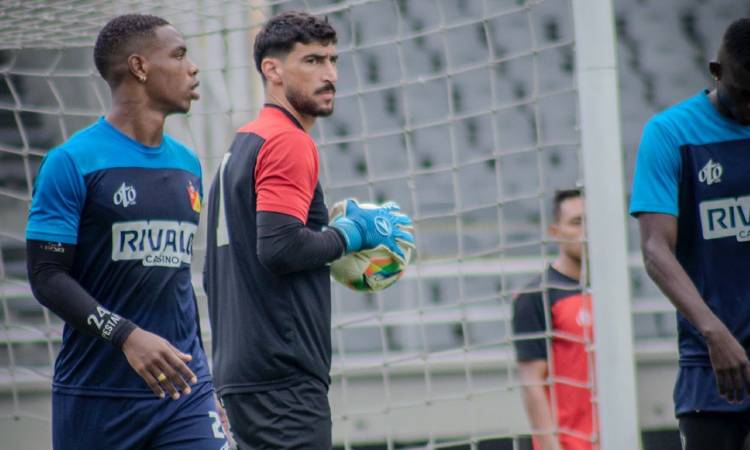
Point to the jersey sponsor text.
(726, 217)
(155, 242)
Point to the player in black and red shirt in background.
(561, 418)
(266, 273)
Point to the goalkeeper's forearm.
(286, 245)
(49, 265)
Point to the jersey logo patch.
(124, 196)
(583, 318)
(160, 243)
(711, 173)
(194, 197)
(726, 217)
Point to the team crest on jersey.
(195, 198)
(726, 217)
(583, 318)
(711, 173)
(161, 243)
(124, 196)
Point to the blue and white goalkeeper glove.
(368, 226)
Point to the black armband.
(286, 245)
(49, 265)
(110, 326)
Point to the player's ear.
(553, 230)
(714, 68)
(138, 67)
(271, 69)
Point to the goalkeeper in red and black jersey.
(269, 243)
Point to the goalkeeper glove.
(365, 228)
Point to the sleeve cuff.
(35, 235)
(121, 333)
(282, 209)
(636, 209)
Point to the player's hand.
(366, 228)
(730, 364)
(159, 363)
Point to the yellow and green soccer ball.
(369, 270)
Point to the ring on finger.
(161, 378)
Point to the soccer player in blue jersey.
(266, 272)
(691, 195)
(109, 240)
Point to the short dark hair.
(560, 197)
(118, 35)
(736, 42)
(283, 30)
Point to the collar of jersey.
(289, 115)
(706, 103)
(122, 136)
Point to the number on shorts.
(216, 426)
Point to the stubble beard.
(306, 105)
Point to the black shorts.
(715, 430)
(294, 417)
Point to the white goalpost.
(601, 141)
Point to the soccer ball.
(369, 270)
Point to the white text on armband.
(155, 242)
(103, 322)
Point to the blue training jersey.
(693, 163)
(132, 212)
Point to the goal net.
(464, 112)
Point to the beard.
(306, 104)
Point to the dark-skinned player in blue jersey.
(691, 195)
(266, 272)
(109, 240)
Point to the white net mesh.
(464, 112)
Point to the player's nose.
(193, 68)
(331, 73)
